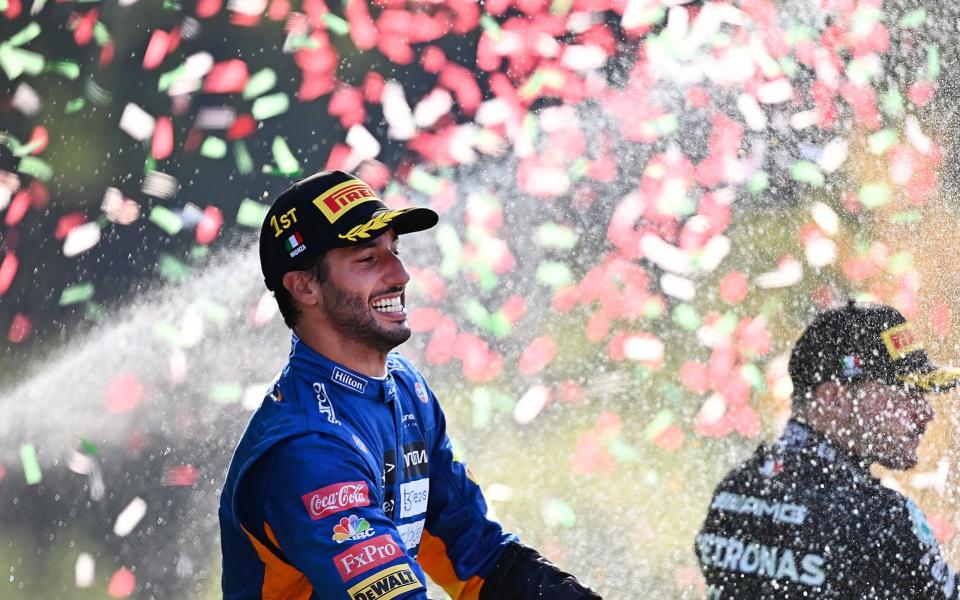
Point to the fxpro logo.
(413, 497)
(782, 512)
(349, 381)
(364, 556)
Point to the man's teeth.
(388, 305)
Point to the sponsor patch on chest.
(413, 497)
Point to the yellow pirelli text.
(338, 200)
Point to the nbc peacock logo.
(351, 528)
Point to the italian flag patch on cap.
(293, 242)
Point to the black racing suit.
(803, 519)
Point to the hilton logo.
(348, 381)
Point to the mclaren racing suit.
(803, 519)
(346, 486)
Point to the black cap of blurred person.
(329, 209)
(864, 342)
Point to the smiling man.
(804, 517)
(345, 485)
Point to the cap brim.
(938, 379)
(414, 219)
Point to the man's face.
(886, 422)
(363, 296)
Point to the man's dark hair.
(291, 314)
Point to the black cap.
(865, 342)
(329, 209)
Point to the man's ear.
(830, 407)
(302, 287)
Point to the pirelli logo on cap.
(339, 199)
(900, 341)
(386, 584)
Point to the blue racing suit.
(346, 486)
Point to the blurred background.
(642, 203)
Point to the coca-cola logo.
(334, 498)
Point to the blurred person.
(344, 484)
(804, 517)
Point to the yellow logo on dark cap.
(900, 341)
(339, 199)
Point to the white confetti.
(363, 146)
(130, 517)
(665, 255)
(160, 185)
(81, 238)
(936, 479)
(775, 92)
(678, 287)
(834, 155)
(713, 409)
(433, 106)
(714, 251)
(397, 112)
(531, 404)
(136, 122)
(215, 117)
(802, 120)
(84, 571)
(645, 348)
(790, 272)
(825, 218)
(265, 310)
(119, 209)
(820, 251)
(752, 113)
(917, 138)
(26, 100)
(584, 58)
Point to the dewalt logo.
(386, 584)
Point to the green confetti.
(101, 34)
(686, 317)
(214, 311)
(94, 312)
(500, 325)
(242, 157)
(892, 103)
(259, 83)
(560, 7)
(914, 19)
(807, 172)
(451, 248)
(226, 393)
(171, 5)
(15, 61)
(621, 450)
(167, 79)
(251, 213)
(286, 162)
(881, 141)
(31, 466)
(759, 183)
(579, 168)
(726, 325)
(74, 294)
(68, 69)
(652, 309)
(557, 513)
(213, 147)
(900, 263)
(87, 447)
(336, 24)
(167, 220)
(166, 333)
(482, 403)
(554, 274)
(477, 314)
(35, 167)
(424, 182)
(651, 15)
(905, 217)
(874, 195)
(552, 235)
(74, 105)
(753, 375)
(661, 421)
(490, 26)
(933, 62)
(25, 35)
(265, 107)
(172, 269)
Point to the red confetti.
(208, 8)
(83, 26)
(695, 377)
(123, 394)
(941, 319)
(180, 476)
(363, 31)
(20, 328)
(537, 355)
(8, 270)
(590, 456)
(670, 439)
(942, 528)
(921, 93)
(3, 472)
(242, 126)
(40, 138)
(65, 224)
(423, 319)
(18, 208)
(209, 226)
(162, 144)
(227, 77)
(157, 49)
(122, 583)
(14, 7)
